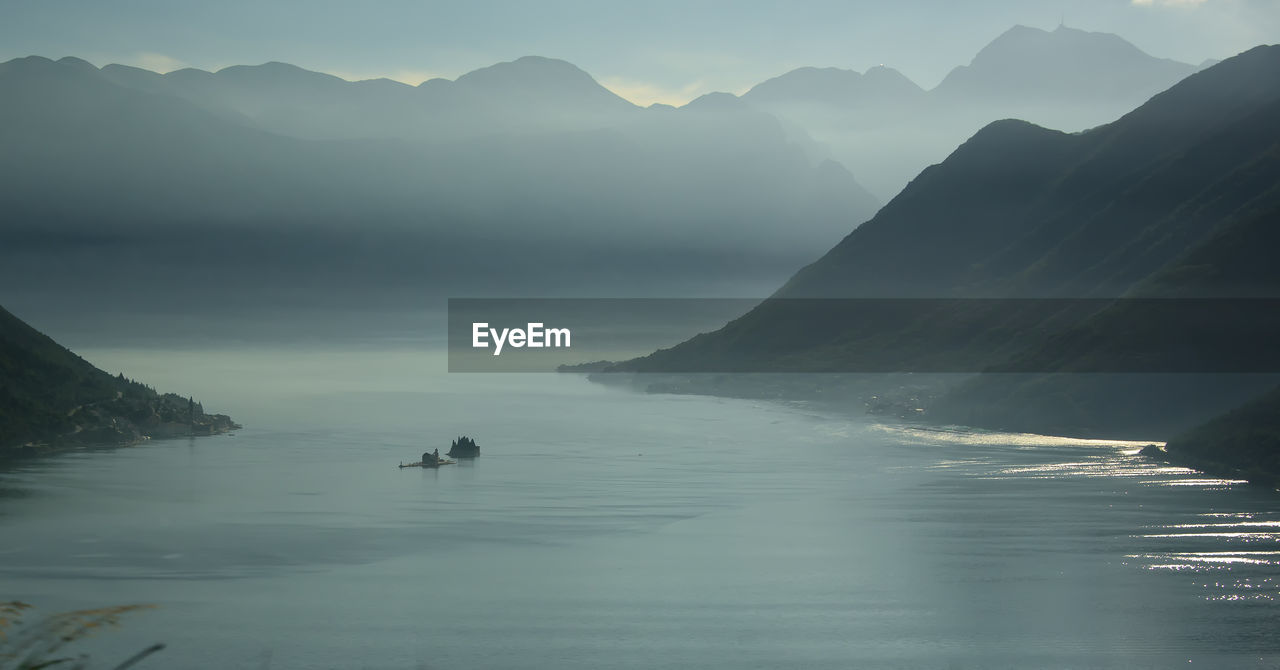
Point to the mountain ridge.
(1022, 211)
(1025, 58)
(882, 126)
(1067, 79)
(837, 86)
(108, 178)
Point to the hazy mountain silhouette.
(1023, 210)
(718, 101)
(879, 88)
(886, 129)
(283, 98)
(537, 81)
(879, 124)
(1176, 199)
(137, 182)
(1032, 66)
(532, 94)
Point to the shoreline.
(905, 403)
(36, 450)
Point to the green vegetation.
(464, 447)
(51, 398)
(1244, 443)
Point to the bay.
(602, 528)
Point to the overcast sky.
(655, 50)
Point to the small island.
(464, 447)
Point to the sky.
(652, 51)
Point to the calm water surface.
(606, 529)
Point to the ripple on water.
(1238, 551)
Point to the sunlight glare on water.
(607, 529)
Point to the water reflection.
(1243, 546)
(744, 532)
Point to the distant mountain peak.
(881, 71)
(80, 63)
(189, 73)
(1065, 64)
(538, 78)
(269, 66)
(836, 86)
(1023, 41)
(716, 101)
(526, 68)
(545, 62)
(41, 67)
(1004, 130)
(25, 63)
(435, 83)
(275, 72)
(882, 77)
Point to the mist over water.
(279, 245)
(603, 528)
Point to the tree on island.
(464, 447)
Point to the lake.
(602, 528)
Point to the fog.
(191, 208)
(258, 203)
(886, 129)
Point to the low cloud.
(410, 77)
(645, 93)
(156, 62)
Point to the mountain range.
(183, 176)
(1031, 67)
(529, 94)
(276, 185)
(199, 193)
(886, 129)
(1176, 199)
(1065, 78)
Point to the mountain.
(886, 129)
(79, 150)
(1028, 65)
(1244, 442)
(537, 81)
(50, 398)
(1176, 199)
(104, 179)
(285, 99)
(717, 101)
(879, 88)
(1020, 210)
(876, 123)
(531, 94)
